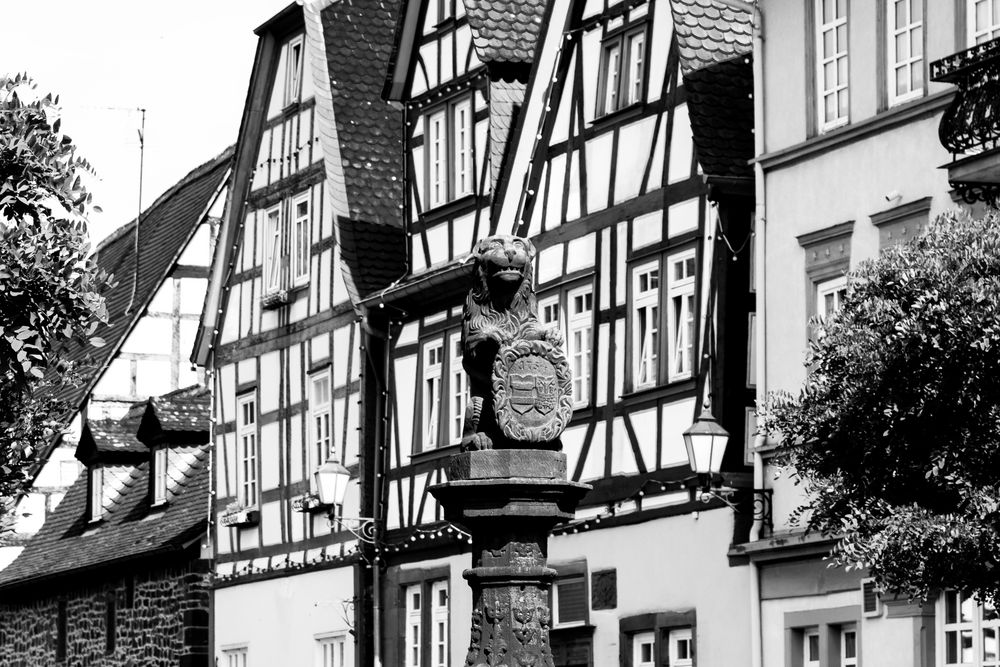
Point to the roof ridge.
(192, 175)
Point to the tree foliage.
(896, 432)
(50, 291)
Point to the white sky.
(187, 62)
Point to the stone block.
(503, 463)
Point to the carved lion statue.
(500, 308)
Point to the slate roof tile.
(715, 43)
(505, 30)
(68, 543)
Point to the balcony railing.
(970, 126)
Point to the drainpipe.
(760, 269)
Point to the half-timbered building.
(317, 159)
(581, 139)
(160, 268)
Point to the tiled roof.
(185, 412)
(505, 30)
(109, 436)
(358, 39)
(715, 43)
(164, 227)
(68, 542)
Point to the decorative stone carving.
(500, 317)
(532, 393)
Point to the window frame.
(821, 60)
(674, 637)
(640, 640)
(622, 82)
(445, 144)
(273, 237)
(976, 626)
(95, 492)
(440, 615)
(300, 240)
(294, 71)
(646, 299)
(457, 388)
(419, 639)
(563, 579)
(828, 626)
(580, 322)
(661, 626)
(247, 432)
(835, 287)
(892, 31)
(321, 449)
(685, 289)
(971, 31)
(431, 377)
(332, 640)
(160, 463)
(236, 651)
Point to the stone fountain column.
(511, 491)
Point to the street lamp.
(331, 480)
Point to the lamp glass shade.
(706, 442)
(331, 483)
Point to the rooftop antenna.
(135, 249)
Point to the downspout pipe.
(760, 284)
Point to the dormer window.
(159, 475)
(96, 492)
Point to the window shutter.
(871, 604)
(572, 600)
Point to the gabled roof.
(68, 543)
(715, 43)
(505, 31)
(164, 230)
(109, 440)
(179, 416)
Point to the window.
(456, 389)
(234, 657)
(645, 309)
(414, 616)
(681, 648)
(61, 614)
(439, 624)
(849, 647)
(810, 649)
(569, 601)
(971, 632)
(580, 324)
(272, 249)
(110, 623)
(830, 295)
(831, 63)
(548, 310)
(319, 417)
(984, 20)
(293, 71)
(96, 492)
(431, 400)
(247, 443)
(292, 237)
(648, 306)
(905, 49)
(300, 240)
(644, 649)
(623, 70)
(330, 651)
(426, 624)
(450, 172)
(681, 294)
(159, 475)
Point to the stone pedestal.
(509, 500)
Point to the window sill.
(445, 210)
(281, 297)
(309, 503)
(248, 516)
(629, 112)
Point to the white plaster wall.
(279, 619)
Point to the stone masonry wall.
(161, 620)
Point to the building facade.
(849, 161)
(118, 574)
(161, 273)
(587, 152)
(315, 172)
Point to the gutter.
(760, 285)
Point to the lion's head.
(503, 271)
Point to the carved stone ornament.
(532, 391)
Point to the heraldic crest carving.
(519, 381)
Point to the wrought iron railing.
(972, 120)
